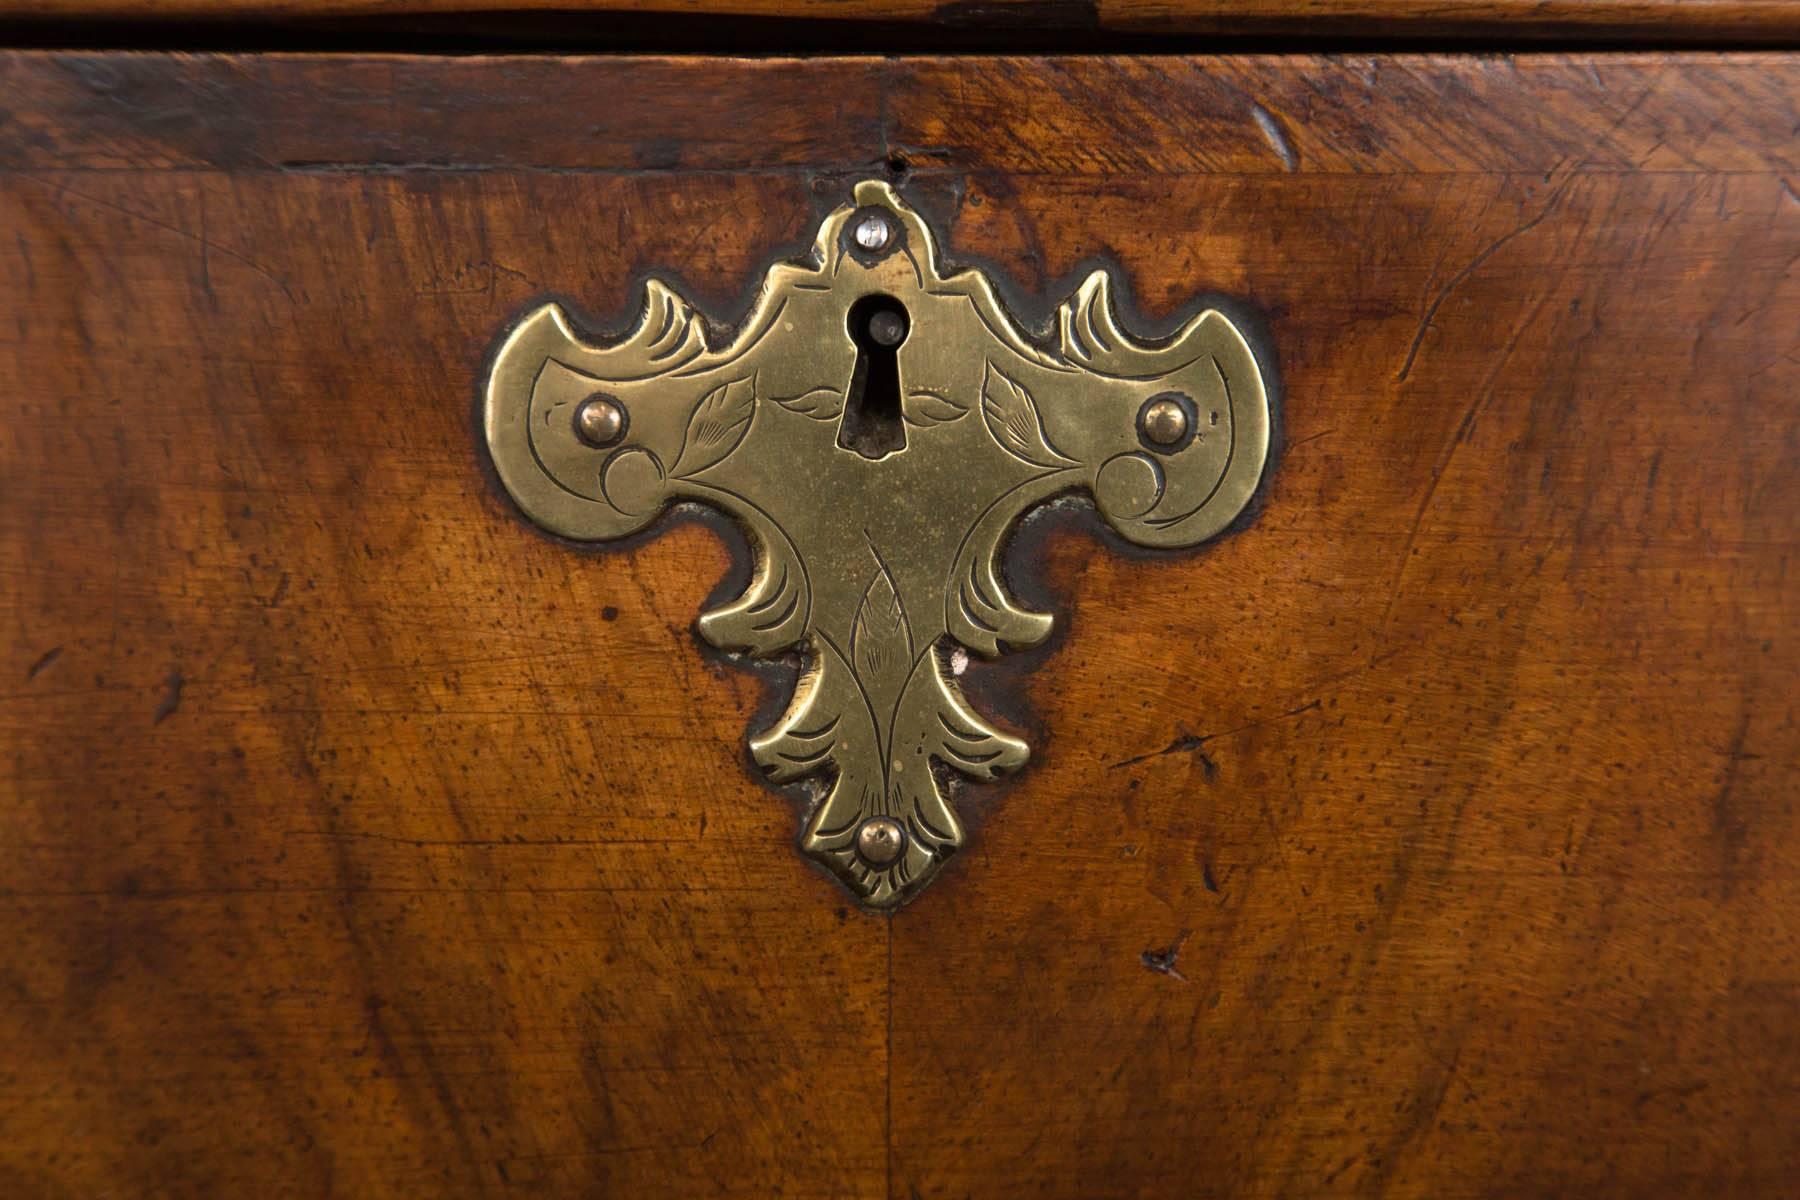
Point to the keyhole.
(871, 425)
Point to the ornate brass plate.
(877, 427)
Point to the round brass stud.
(1164, 422)
(600, 421)
(880, 840)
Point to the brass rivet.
(880, 840)
(600, 421)
(1165, 422)
(873, 232)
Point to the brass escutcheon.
(878, 427)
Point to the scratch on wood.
(205, 243)
(1271, 130)
(1630, 111)
(44, 660)
(1493, 248)
(1190, 743)
(473, 842)
(1731, 826)
(1438, 470)
(171, 698)
(1187, 743)
(1163, 961)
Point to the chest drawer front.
(1430, 833)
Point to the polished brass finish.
(879, 840)
(878, 516)
(1165, 422)
(600, 421)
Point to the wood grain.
(1712, 20)
(1432, 835)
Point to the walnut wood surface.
(1743, 20)
(1434, 835)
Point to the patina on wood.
(356, 840)
(911, 20)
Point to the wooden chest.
(1431, 833)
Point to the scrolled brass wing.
(877, 554)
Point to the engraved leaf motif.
(774, 610)
(1089, 333)
(1012, 417)
(923, 409)
(821, 403)
(880, 644)
(937, 721)
(826, 724)
(978, 611)
(719, 422)
(829, 725)
(876, 726)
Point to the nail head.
(880, 840)
(600, 421)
